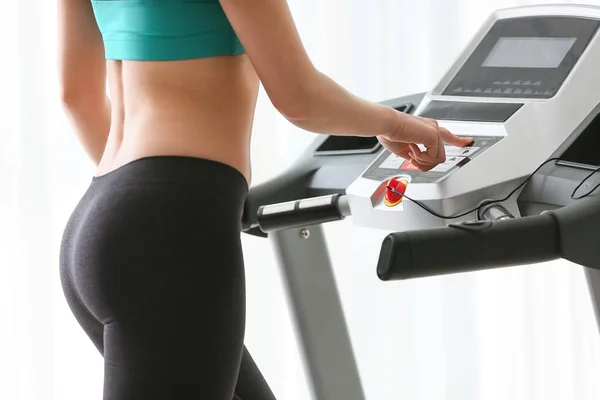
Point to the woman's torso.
(200, 107)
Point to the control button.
(517, 83)
(488, 90)
(497, 90)
(450, 163)
(537, 83)
(394, 191)
(477, 90)
(392, 162)
(549, 92)
(527, 83)
(537, 92)
(528, 91)
(460, 151)
(506, 83)
(458, 90)
(508, 91)
(467, 90)
(518, 91)
(496, 83)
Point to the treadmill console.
(523, 84)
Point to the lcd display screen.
(529, 52)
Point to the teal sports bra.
(164, 29)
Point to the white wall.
(521, 333)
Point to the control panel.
(389, 165)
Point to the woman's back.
(179, 82)
(202, 108)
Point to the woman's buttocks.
(160, 223)
(199, 108)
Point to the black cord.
(485, 203)
(581, 184)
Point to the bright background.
(520, 333)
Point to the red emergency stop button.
(394, 191)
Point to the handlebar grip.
(304, 212)
(470, 246)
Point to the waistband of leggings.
(176, 169)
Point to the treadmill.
(527, 89)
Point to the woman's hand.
(410, 131)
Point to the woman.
(151, 261)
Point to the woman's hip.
(156, 226)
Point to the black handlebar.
(469, 247)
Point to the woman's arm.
(296, 88)
(314, 102)
(82, 75)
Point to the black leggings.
(152, 268)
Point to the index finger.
(454, 140)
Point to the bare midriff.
(196, 108)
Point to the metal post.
(319, 318)
(593, 280)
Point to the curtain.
(519, 333)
